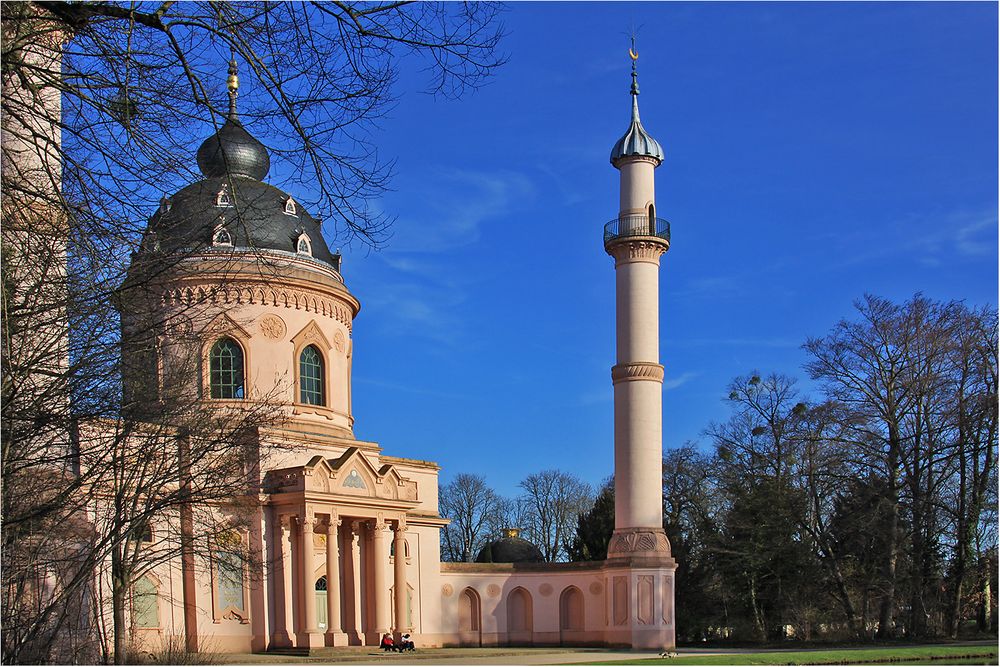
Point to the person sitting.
(406, 644)
(387, 644)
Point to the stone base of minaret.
(639, 572)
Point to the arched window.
(652, 220)
(145, 604)
(222, 197)
(225, 367)
(145, 532)
(304, 246)
(392, 549)
(311, 377)
(290, 208)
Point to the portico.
(340, 524)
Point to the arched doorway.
(571, 617)
(470, 618)
(321, 603)
(520, 617)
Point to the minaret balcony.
(636, 226)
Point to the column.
(356, 584)
(381, 577)
(334, 632)
(399, 581)
(286, 576)
(310, 633)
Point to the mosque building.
(348, 536)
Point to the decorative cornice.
(266, 296)
(638, 370)
(648, 249)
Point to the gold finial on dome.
(233, 84)
(511, 532)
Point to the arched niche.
(520, 617)
(571, 614)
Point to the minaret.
(642, 594)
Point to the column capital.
(330, 525)
(401, 525)
(307, 522)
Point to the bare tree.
(553, 500)
(974, 356)
(901, 383)
(471, 505)
(102, 105)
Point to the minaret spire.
(233, 84)
(636, 140)
(639, 561)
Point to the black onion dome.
(235, 151)
(510, 550)
(256, 215)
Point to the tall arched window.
(145, 604)
(225, 366)
(311, 377)
(652, 220)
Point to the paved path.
(500, 656)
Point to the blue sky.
(813, 152)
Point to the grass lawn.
(950, 654)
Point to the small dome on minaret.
(636, 140)
(232, 150)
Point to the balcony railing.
(629, 226)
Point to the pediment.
(350, 474)
(311, 334)
(224, 325)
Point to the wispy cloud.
(978, 237)
(420, 284)
(967, 234)
(446, 208)
(682, 379)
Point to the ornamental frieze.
(281, 298)
(638, 370)
(637, 251)
(639, 541)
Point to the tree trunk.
(984, 620)
(119, 588)
(888, 604)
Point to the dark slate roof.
(510, 550)
(235, 151)
(255, 219)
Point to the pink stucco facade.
(345, 538)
